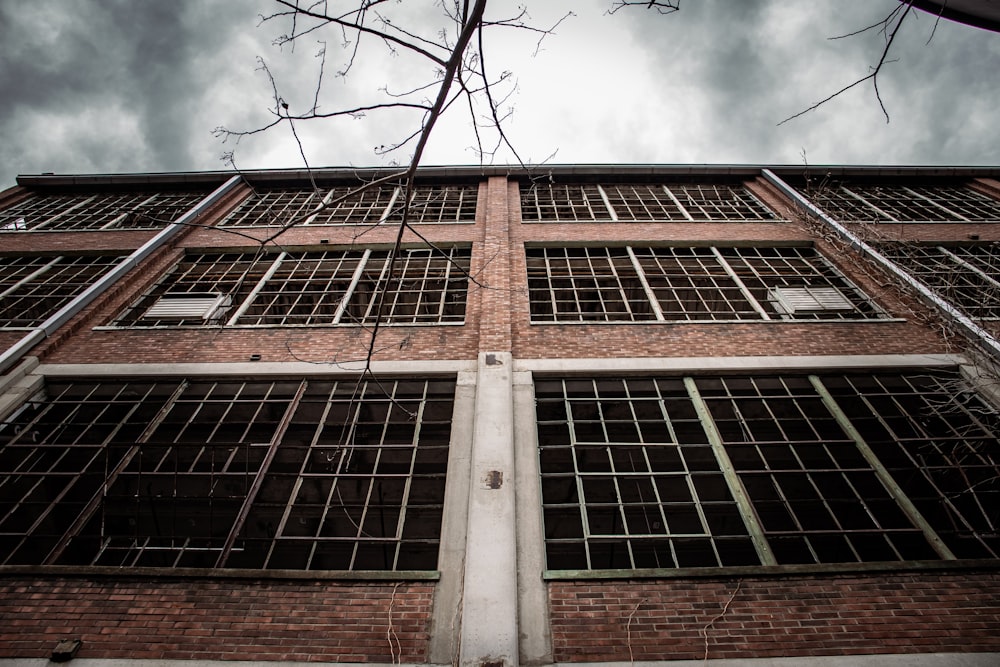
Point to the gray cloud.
(126, 85)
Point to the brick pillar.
(494, 263)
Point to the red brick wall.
(714, 339)
(772, 617)
(217, 620)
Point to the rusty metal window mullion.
(607, 205)
(248, 301)
(60, 214)
(936, 204)
(653, 301)
(742, 498)
(908, 508)
(30, 277)
(869, 204)
(265, 465)
(111, 475)
(355, 279)
(744, 290)
(678, 204)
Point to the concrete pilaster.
(489, 635)
(532, 595)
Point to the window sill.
(775, 570)
(221, 573)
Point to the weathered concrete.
(532, 594)
(735, 364)
(489, 611)
(447, 617)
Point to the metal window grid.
(32, 288)
(772, 470)
(96, 211)
(966, 276)
(286, 206)
(901, 203)
(938, 440)
(291, 474)
(640, 203)
(585, 285)
(317, 288)
(681, 284)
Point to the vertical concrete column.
(447, 619)
(532, 594)
(489, 636)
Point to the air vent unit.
(791, 300)
(190, 306)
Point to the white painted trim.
(735, 364)
(259, 368)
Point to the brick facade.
(122, 615)
(183, 619)
(848, 614)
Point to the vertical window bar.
(729, 472)
(653, 301)
(392, 202)
(256, 289)
(868, 204)
(971, 267)
(935, 204)
(358, 272)
(258, 480)
(118, 218)
(677, 203)
(66, 212)
(30, 277)
(607, 204)
(111, 475)
(888, 482)
(739, 283)
(323, 202)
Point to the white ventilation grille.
(190, 306)
(791, 300)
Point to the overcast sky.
(108, 86)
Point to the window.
(337, 206)
(966, 276)
(905, 203)
(307, 289)
(311, 474)
(47, 211)
(33, 288)
(689, 284)
(636, 202)
(681, 472)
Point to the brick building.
(579, 414)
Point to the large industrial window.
(766, 470)
(627, 284)
(635, 202)
(308, 288)
(905, 203)
(966, 276)
(32, 288)
(106, 210)
(293, 474)
(337, 206)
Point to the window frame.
(706, 395)
(339, 287)
(234, 451)
(682, 284)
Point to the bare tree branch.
(894, 20)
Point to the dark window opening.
(311, 474)
(635, 474)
